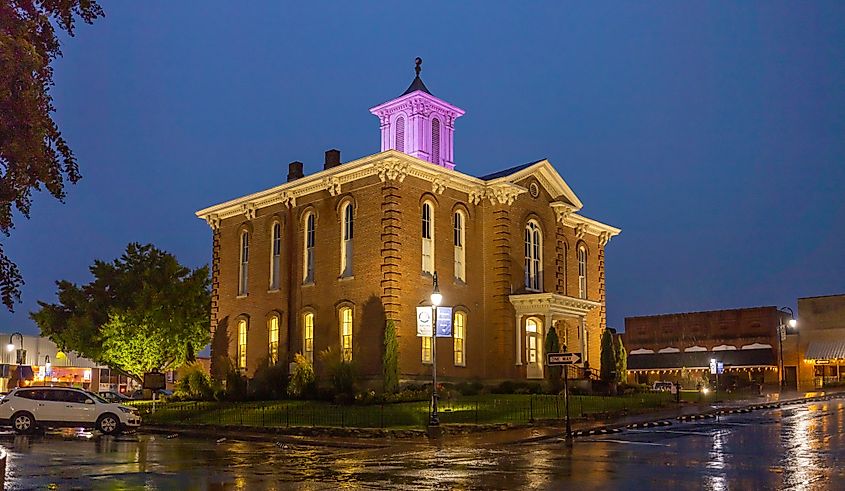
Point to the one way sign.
(553, 359)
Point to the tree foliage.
(621, 360)
(390, 358)
(608, 357)
(143, 311)
(33, 153)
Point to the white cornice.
(551, 303)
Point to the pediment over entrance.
(551, 303)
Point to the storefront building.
(35, 360)
(820, 342)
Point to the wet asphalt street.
(797, 447)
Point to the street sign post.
(563, 359)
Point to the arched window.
(346, 333)
(400, 134)
(243, 268)
(346, 239)
(308, 260)
(533, 257)
(460, 254)
(459, 334)
(275, 256)
(242, 344)
(582, 271)
(428, 238)
(435, 141)
(273, 339)
(426, 349)
(308, 336)
(532, 335)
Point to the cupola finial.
(418, 68)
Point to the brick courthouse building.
(323, 260)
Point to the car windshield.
(97, 397)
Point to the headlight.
(127, 409)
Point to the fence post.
(476, 411)
(287, 415)
(219, 414)
(531, 409)
(262, 416)
(241, 416)
(381, 417)
(557, 406)
(342, 418)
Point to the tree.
(33, 153)
(552, 345)
(621, 361)
(143, 311)
(608, 357)
(390, 358)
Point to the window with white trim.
(435, 141)
(243, 267)
(346, 235)
(242, 344)
(273, 339)
(533, 257)
(459, 239)
(346, 333)
(275, 256)
(308, 243)
(426, 349)
(400, 134)
(531, 340)
(582, 271)
(308, 336)
(459, 334)
(428, 237)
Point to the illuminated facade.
(817, 350)
(324, 260)
(35, 360)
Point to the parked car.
(662, 386)
(26, 408)
(113, 396)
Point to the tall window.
(242, 344)
(435, 141)
(582, 271)
(428, 238)
(275, 256)
(531, 335)
(308, 260)
(346, 333)
(273, 340)
(426, 349)
(308, 337)
(460, 255)
(533, 259)
(459, 337)
(400, 134)
(243, 268)
(346, 240)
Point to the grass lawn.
(482, 409)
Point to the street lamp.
(792, 323)
(11, 346)
(436, 298)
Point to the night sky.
(712, 133)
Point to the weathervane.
(419, 65)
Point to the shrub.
(343, 376)
(303, 382)
(472, 388)
(195, 384)
(390, 359)
(269, 381)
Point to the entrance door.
(790, 378)
(533, 349)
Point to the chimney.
(294, 171)
(332, 159)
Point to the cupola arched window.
(400, 134)
(435, 141)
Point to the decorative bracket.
(392, 169)
(439, 184)
(213, 221)
(250, 210)
(332, 185)
(580, 230)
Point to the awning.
(701, 359)
(825, 350)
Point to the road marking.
(628, 442)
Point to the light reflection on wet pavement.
(797, 447)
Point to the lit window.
(310, 224)
(459, 337)
(346, 333)
(533, 257)
(308, 337)
(273, 337)
(400, 134)
(582, 271)
(460, 254)
(346, 240)
(244, 264)
(426, 349)
(531, 336)
(275, 256)
(242, 344)
(435, 141)
(428, 238)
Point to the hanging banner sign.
(423, 322)
(444, 322)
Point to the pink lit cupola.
(419, 124)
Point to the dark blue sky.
(712, 133)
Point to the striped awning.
(826, 350)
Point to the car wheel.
(23, 422)
(108, 424)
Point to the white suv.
(25, 408)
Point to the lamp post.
(792, 323)
(11, 346)
(436, 298)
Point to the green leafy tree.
(390, 360)
(553, 373)
(143, 311)
(608, 357)
(302, 378)
(33, 153)
(621, 360)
